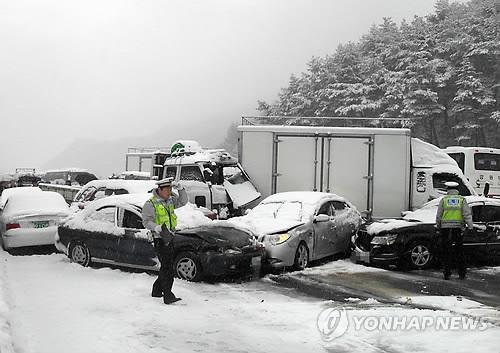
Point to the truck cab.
(212, 177)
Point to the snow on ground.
(57, 306)
(490, 270)
(455, 304)
(54, 306)
(340, 266)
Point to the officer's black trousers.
(165, 280)
(452, 250)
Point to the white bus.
(481, 165)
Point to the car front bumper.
(378, 255)
(216, 264)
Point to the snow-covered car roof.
(132, 186)
(137, 199)
(6, 193)
(188, 216)
(35, 203)
(307, 197)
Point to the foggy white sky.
(107, 69)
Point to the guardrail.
(68, 192)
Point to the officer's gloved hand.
(158, 229)
(177, 185)
(158, 242)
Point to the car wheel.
(79, 253)
(301, 257)
(187, 266)
(419, 255)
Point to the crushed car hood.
(263, 226)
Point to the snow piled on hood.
(189, 216)
(387, 225)
(264, 225)
(306, 197)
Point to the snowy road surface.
(48, 304)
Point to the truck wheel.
(187, 266)
(301, 257)
(79, 253)
(419, 255)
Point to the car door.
(103, 240)
(491, 218)
(135, 247)
(475, 241)
(345, 227)
(197, 189)
(324, 232)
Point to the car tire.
(187, 266)
(301, 257)
(79, 253)
(419, 255)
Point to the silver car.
(297, 227)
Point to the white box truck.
(383, 171)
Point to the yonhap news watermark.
(334, 322)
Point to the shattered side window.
(191, 173)
(85, 195)
(439, 180)
(236, 175)
(171, 172)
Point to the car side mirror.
(321, 218)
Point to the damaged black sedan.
(413, 242)
(110, 231)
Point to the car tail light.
(10, 226)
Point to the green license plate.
(41, 224)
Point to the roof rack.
(138, 151)
(336, 121)
(25, 170)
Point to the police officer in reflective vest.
(158, 216)
(452, 215)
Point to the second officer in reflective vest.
(158, 215)
(452, 215)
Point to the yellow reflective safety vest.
(164, 215)
(452, 209)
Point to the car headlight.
(388, 239)
(276, 239)
(232, 252)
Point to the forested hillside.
(440, 73)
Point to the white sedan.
(31, 218)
